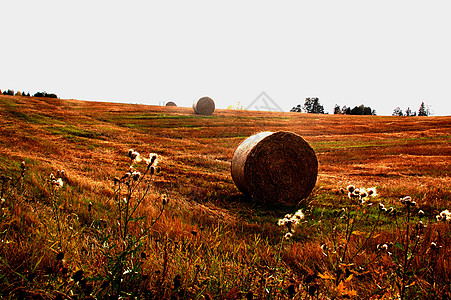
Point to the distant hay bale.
(275, 167)
(204, 106)
(171, 103)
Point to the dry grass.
(210, 241)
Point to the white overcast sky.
(382, 54)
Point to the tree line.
(357, 110)
(422, 111)
(313, 106)
(38, 94)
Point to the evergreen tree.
(337, 109)
(423, 111)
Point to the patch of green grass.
(41, 119)
(33, 118)
(71, 130)
(346, 144)
(425, 138)
(19, 115)
(8, 164)
(8, 103)
(163, 116)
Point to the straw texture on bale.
(204, 106)
(171, 103)
(275, 167)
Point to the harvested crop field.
(203, 238)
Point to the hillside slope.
(70, 134)
(90, 141)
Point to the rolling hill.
(205, 239)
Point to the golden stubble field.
(400, 156)
(76, 135)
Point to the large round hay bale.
(204, 106)
(171, 103)
(275, 167)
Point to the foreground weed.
(409, 248)
(122, 247)
(12, 187)
(12, 194)
(54, 186)
(413, 256)
(353, 227)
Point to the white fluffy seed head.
(372, 192)
(288, 235)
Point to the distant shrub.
(45, 94)
(408, 113)
(397, 112)
(362, 110)
(297, 108)
(357, 110)
(346, 110)
(9, 92)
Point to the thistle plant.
(290, 222)
(403, 252)
(55, 184)
(124, 263)
(350, 238)
(444, 216)
(413, 255)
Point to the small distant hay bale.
(275, 167)
(204, 106)
(171, 103)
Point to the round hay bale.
(275, 167)
(171, 103)
(204, 106)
